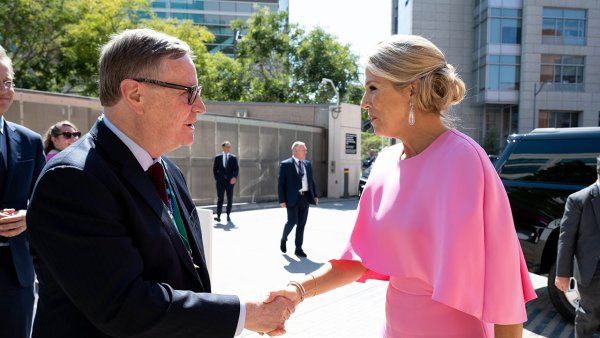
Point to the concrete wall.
(261, 140)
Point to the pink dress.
(438, 226)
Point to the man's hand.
(12, 222)
(282, 204)
(316, 200)
(290, 292)
(562, 283)
(268, 318)
(233, 181)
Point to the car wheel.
(565, 303)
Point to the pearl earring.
(411, 115)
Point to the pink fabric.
(51, 154)
(443, 217)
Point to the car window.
(553, 161)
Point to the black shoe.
(300, 253)
(218, 218)
(282, 246)
(228, 218)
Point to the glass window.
(563, 26)
(564, 72)
(196, 4)
(243, 7)
(227, 6)
(503, 72)
(159, 4)
(571, 161)
(211, 5)
(505, 25)
(558, 119)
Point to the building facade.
(216, 15)
(526, 63)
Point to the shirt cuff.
(241, 319)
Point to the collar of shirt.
(2, 125)
(141, 155)
(225, 154)
(295, 160)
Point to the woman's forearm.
(332, 275)
(508, 331)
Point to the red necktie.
(157, 176)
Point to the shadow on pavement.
(301, 265)
(225, 226)
(349, 204)
(543, 320)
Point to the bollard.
(346, 174)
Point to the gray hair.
(298, 143)
(134, 53)
(225, 143)
(6, 60)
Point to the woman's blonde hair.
(404, 59)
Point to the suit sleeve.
(281, 183)
(236, 167)
(312, 182)
(569, 227)
(90, 252)
(216, 168)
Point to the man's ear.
(132, 91)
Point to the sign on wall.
(351, 141)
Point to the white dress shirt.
(145, 160)
(225, 159)
(304, 187)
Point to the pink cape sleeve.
(475, 263)
(482, 272)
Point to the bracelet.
(315, 282)
(300, 288)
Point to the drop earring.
(411, 114)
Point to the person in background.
(297, 191)
(369, 160)
(58, 137)
(225, 171)
(580, 238)
(21, 161)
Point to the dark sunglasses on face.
(192, 91)
(68, 134)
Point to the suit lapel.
(194, 231)
(13, 150)
(135, 175)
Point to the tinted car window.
(553, 161)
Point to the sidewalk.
(237, 207)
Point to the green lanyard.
(175, 214)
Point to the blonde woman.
(433, 219)
(58, 137)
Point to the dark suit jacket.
(289, 182)
(225, 174)
(25, 160)
(109, 261)
(580, 235)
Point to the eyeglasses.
(192, 91)
(7, 84)
(68, 134)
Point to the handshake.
(270, 315)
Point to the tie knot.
(157, 176)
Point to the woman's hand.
(290, 292)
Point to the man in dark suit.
(114, 232)
(21, 160)
(225, 170)
(580, 238)
(297, 191)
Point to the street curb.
(269, 205)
